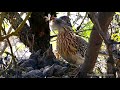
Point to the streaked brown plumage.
(71, 47)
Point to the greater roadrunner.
(71, 47)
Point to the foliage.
(87, 30)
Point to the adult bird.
(71, 47)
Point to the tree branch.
(22, 24)
(68, 14)
(1, 21)
(82, 22)
(78, 17)
(109, 44)
(95, 42)
(4, 47)
(18, 29)
(13, 57)
(98, 28)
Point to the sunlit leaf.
(115, 37)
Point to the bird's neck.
(63, 30)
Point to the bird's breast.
(67, 46)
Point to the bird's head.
(58, 23)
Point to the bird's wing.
(82, 46)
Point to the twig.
(99, 69)
(83, 31)
(68, 14)
(82, 22)
(18, 29)
(13, 57)
(114, 42)
(22, 24)
(53, 40)
(54, 32)
(6, 36)
(111, 30)
(10, 29)
(24, 54)
(4, 47)
(6, 68)
(33, 41)
(78, 17)
(15, 43)
(53, 36)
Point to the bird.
(71, 47)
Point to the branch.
(10, 29)
(95, 43)
(13, 57)
(78, 17)
(1, 21)
(82, 22)
(2, 72)
(53, 36)
(98, 28)
(5, 43)
(18, 29)
(22, 24)
(4, 47)
(68, 14)
(109, 44)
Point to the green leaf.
(115, 37)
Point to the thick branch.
(95, 42)
(23, 23)
(98, 28)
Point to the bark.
(40, 30)
(95, 42)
